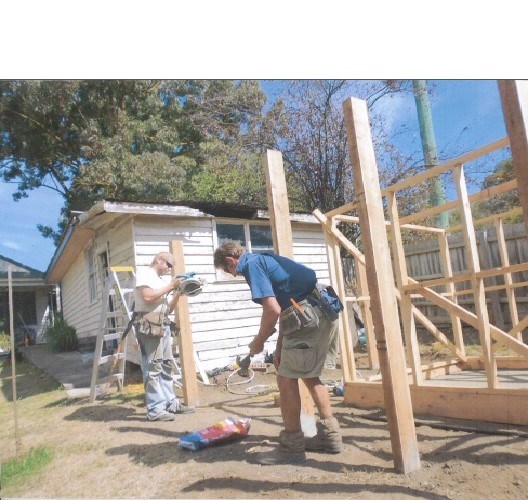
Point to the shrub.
(61, 336)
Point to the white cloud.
(12, 245)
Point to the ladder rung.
(114, 314)
(120, 303)
(111, 357)
(112, 336)
(110, 378)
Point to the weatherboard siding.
(223, 318)
(78, 311)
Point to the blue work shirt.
(271, 275)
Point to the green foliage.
(61, 337)
(17, 470)
(5, 341)
(503, 172)
(134, 140)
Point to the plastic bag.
(224, 431)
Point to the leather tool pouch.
(152, 323)
(325, 297)
(292, 320)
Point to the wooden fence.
(424, 263)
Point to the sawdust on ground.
(109, 450)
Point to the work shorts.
(304, 351)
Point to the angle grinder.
(244, 363)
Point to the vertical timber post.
(380, 276)
(279, 211)
(185, 340)
(514, 97)
(13, 358)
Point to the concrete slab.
(511, 379)
(71, 369)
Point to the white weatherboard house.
(31, 301)
(223, 318)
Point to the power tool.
(244, 363)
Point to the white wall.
(223, 318)
(78, 311)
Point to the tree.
(140, 140)
(501, 203)
(310, 133)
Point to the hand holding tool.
(244, 363)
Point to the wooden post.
(359, 260)
(477, 282)
(185, 341)
(505, 262)
(485, 258)
(514, 97)
(456, 325)
(348, 363)
(402, 279)
(13, 358)
(381, 285)
(279, 209)
(372, 350)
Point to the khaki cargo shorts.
(304, 351)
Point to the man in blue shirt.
(282, 286)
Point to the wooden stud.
(185, 340)
(514, 97)
(348, 363)
(505, 261)
(456, 326)
(402, 278)
(477, 283)
(279, 210)
(359, 260)
(381, 285)
(485, 258)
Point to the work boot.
(176, 406)
(161, 416)
(328, 438)
(289, 451)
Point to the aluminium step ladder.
(110, 349)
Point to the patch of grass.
(17, 470)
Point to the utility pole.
(425, 119)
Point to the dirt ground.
(109, 449)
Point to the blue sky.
(466, 114)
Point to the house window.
(255, 238)
(90, 272)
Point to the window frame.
(220, 276)
(91, 272)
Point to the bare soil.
(109, 449)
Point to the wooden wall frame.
(495, 401)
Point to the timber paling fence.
(424, 263)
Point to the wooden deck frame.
(491, 403)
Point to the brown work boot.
(328, 438)
(289, 451)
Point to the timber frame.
(493, 401)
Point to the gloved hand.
(185, 276)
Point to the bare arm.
(175, 297)
(154, 294)
(270, 314)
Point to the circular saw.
(191, 286)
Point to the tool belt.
(321, 302)
(325, 297)
(152, 323)
(292, 320)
